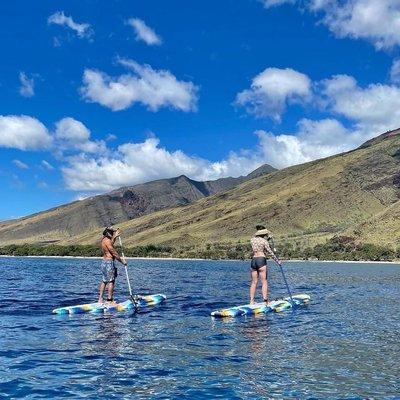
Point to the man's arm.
(115, 235)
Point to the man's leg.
(111, 292)
(253, 286)
(264, 282)
(101, 291)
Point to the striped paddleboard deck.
(143, 301)
(260, 308)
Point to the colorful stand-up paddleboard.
(259, 308)
(142, 301)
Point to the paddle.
(283, 273)
(132, 297)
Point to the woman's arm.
(268, 249)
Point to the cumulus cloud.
(27, 88)
(272, 90)
(375, 21)
(82, 30)
(144, 32)
(152, 88)
(313, 140)
(23, 133)
(375, 107)
(20, 164)
(73, 134)
(135, 163)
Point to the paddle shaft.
(283, 273)
(126, 267)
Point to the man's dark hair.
(260, 227)
(108, 232)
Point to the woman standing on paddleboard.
(261, 247)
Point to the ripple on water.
(344, 345)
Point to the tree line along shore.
(337, 248)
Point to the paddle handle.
(126, 267)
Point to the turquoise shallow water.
(345, 344)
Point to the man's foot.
(111, 302)
(252, 302)
(101, 301)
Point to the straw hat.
(263, 232)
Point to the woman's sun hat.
(263, 232)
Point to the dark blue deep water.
(345, 344)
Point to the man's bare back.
(109, 252)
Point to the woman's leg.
(253, 286)
(264, 282)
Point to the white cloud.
(377, 21)
(135, 163)
(59, 18)
(313, 140)
(73, 134)
(152, 88)
(20, 164)
(72, 130)
(373, 108)
(23, 133)
(27, 88)
(272, 90)
(144, 32)
(274, 3)
(46, 165)
(395, 71)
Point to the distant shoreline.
(208, 259)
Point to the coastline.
(397, 262)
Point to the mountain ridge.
(114, 207)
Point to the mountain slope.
(355, 193)
(65, 222)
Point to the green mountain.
(65, 222)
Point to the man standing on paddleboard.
(108, 268)
(258, 268)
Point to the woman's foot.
(101, 301)
(252, 302)
(266, 301)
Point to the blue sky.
(101, 94)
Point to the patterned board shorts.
(108, 271)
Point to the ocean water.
(344, 345)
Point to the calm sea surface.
(345, 344)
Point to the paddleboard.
(259, 308)
(143, 301)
